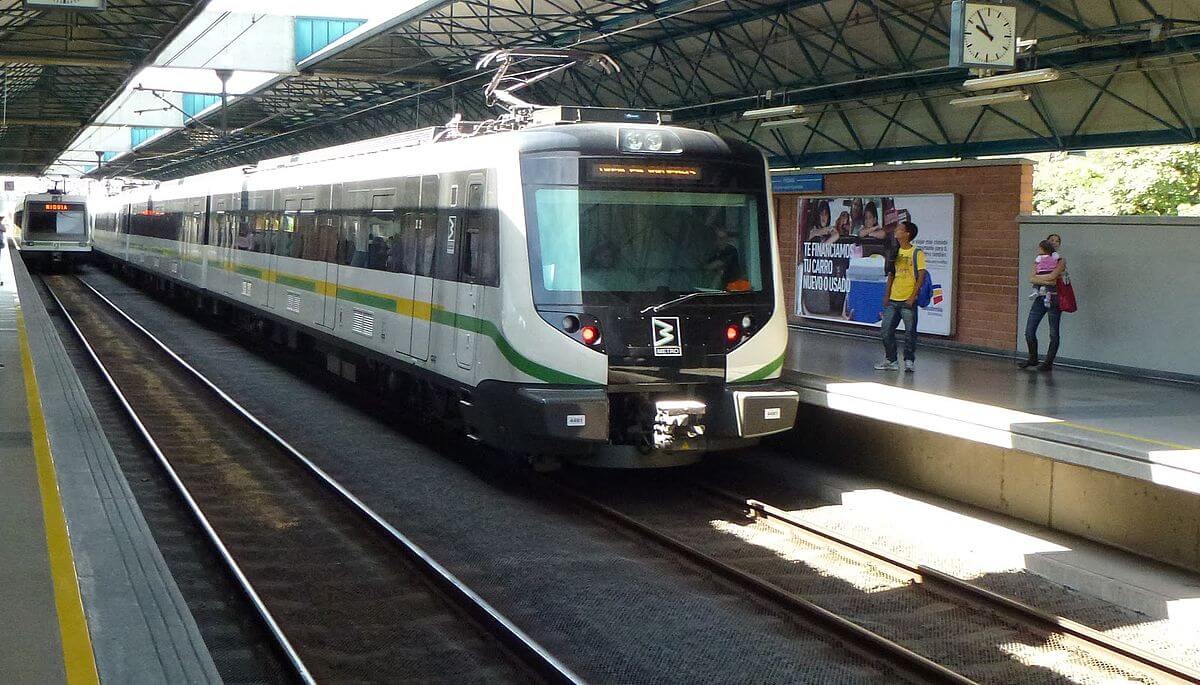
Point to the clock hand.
(983, 27)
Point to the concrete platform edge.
(142, 630)
(1051, 440)
(1123, 510)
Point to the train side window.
(427, 226)
(479, 237)
(383, 247)
(217, 235)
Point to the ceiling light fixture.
(991, 99)
(783, 122)
(1016, 78)
(773, 112)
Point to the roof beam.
(400, 76)
(63, 60)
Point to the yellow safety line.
(78, 659)
(1127, 436)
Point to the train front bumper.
(573, 420)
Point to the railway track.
(931, 626)
(1069, 634)
(345, 595)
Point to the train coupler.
(676, 420)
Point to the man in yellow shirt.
(905, 273)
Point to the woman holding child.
(1048, 268)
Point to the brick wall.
(990, 198)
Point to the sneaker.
(910, 365)
(885, 365)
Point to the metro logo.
(664, 331)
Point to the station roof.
(872, 76)
(60, 69)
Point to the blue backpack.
(925, 294)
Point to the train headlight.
(642, 140)
(747, 322)
(733, 333)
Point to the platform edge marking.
(78, 658)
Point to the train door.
(467, 304)
(222, 245)
(408, 216)
(327, 316)
(425, 238)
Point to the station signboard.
(87, 5)
(842, 243)
(798, 183)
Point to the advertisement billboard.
(843, 243)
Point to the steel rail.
(1075, 634)
(235, 569)
(536, 657)
(869, 643)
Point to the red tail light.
(733, 333)
(590, 335)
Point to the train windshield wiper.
(656, 308)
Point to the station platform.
(1111, 457)
(85, 593)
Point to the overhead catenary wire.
(425, 91)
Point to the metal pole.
(224, 75)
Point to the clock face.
(989, 34)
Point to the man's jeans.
(892, 315)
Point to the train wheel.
(543, 463)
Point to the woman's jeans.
(1036, 312)
(892, 314)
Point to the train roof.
(355, 159)
(595, 138)
(55, 197)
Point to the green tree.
(1161, 180)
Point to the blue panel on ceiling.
(194, 103)
(140, 134)
(314, 33)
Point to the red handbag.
(1066, 296)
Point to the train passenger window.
(427, 226)
(327, 233)
(480, 252)
(407, 243)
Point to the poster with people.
(843, 245)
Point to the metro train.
(53, 229)
(604, 292)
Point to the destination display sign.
(642, 170)
(61, 207)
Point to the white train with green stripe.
(602, 287)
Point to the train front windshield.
(619, 242)
(64, 220)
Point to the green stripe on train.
(443, 317)
(521, 362)
(296, 282)
(764, 372)
(387, 304)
